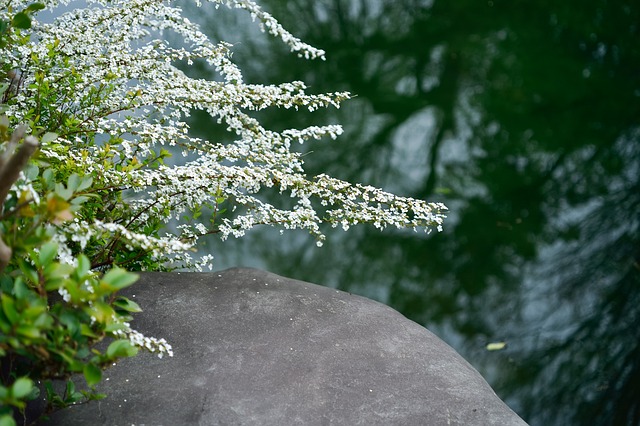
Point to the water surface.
(524, 118)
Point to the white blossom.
(151, 344)
(116, 75)
(114, 48)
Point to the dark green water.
(524, 118)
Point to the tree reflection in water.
(523, 117)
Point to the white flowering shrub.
(102, 93)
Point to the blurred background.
(523, 117)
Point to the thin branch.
(15, 209)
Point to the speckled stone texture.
(254, 348)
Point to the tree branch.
(5, 255)
(10, 167)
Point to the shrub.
(100, 94)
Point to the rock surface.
(254, 348)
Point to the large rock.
(254, 348)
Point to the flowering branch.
(102, 191)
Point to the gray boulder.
(254, 348)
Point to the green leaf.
(34, 7)
(84, 264)
(62, 192)
(110, 328)
(73, 182)
(126, 305)
(31, 171)
(96, 396)
(71, 322)
(70, 388)
(78, 201)
(28, 331)
(7, 420)
(92, 374)
(29, 271)
(8, 306)
(48, 388)
(21, 20)
(48, 137)
(85, 330)
(20, 289)
(118, 278)
(21, 388)
(34, 310)
(85, 183)
(47, 177)
(71, 395)
(48, 252)
(101, 311)
(121, 349)
(44, 321)
(58, 271)
(496, 346)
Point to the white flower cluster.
(115, 73)
(151, 344)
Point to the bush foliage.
(93, 106)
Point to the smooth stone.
(254, 348)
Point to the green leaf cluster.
(52, 313)
(56, 305)
(44, 336)
(19, 21)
